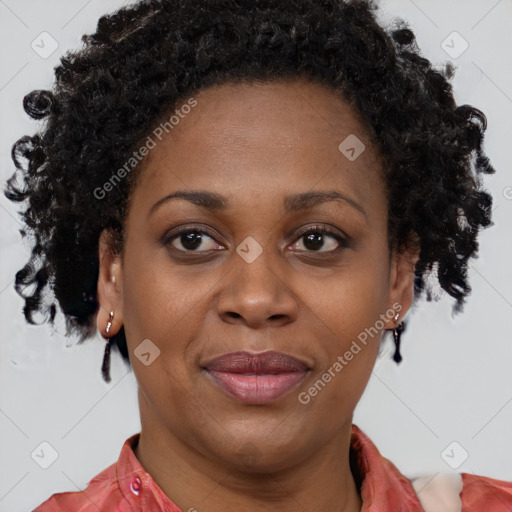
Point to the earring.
(397, 332)
(105, 367)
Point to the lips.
(256, 378)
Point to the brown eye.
(319, 237)
(191, 240)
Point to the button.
(136, 486)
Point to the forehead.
(272, 112)
(261, 137)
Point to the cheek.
(353, 297)
(161, 307)
(347, 312)
(166, 304)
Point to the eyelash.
(318, 229)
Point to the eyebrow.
(292, 203)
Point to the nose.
(257, 294)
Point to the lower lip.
(257, 389)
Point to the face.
(247, 266)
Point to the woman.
(243, 197)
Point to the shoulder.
(479, 491)
(101, 493)
(463, 492)
(108, 490)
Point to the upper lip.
(261, 363)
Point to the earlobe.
(109, 288)
(402, 280)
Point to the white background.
(455, 383)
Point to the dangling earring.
(397, 332)
(105, 367)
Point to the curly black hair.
(147, 57)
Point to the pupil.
(191, 241)
(315, 239)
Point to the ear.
(401, 279)
(109, 288)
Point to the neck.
(194, 481)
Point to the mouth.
(256, 378)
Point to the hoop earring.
(105, 367)
(397, 332)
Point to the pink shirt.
(126, 487)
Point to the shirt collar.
(382, 486)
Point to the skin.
(254, 144)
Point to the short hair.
(147, 57)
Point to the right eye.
(190, 239)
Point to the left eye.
(314, 238)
